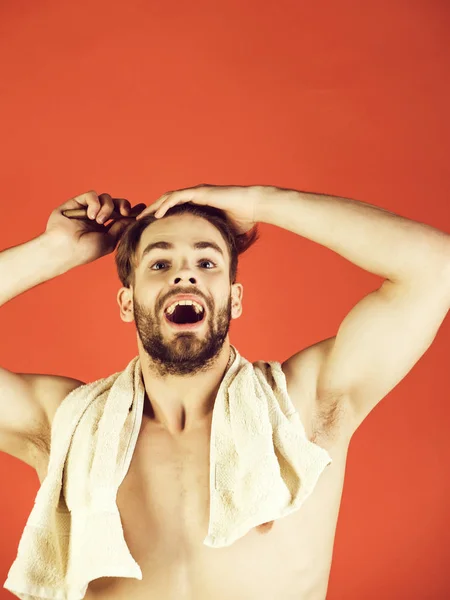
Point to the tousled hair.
(236, 243)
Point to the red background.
(342, 98)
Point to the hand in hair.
(240, 203)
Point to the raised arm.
(28, 401)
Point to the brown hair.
(236, 244)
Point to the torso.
(164, 507)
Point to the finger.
(164, 207)
(149, 210)
(92, 202)
(137, 210)
(117, 228)
(154, 206)
(125, 221)
(107, 207)
(81, 213)
(88, 200)
(124, 207)
(180, 197)
(160, 208)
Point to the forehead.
(182, 231)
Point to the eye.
(163, 262)
(160, 262)
(206, 260)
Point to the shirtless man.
(334, 384)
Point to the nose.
(184, 274)
(179, 280)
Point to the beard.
(186, 352)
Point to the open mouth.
(185, 314)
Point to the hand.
(88, 239)
(240, 203)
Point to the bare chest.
(164, 505)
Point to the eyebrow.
(168, 246)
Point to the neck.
(180, 404)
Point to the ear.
(237, 293)
(125, 302)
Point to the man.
(163, 500)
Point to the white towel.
(262, 468)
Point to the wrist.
(58, 250)
(266, 200)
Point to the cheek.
(146, 306)
(223, 302)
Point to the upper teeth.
(197, 307)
